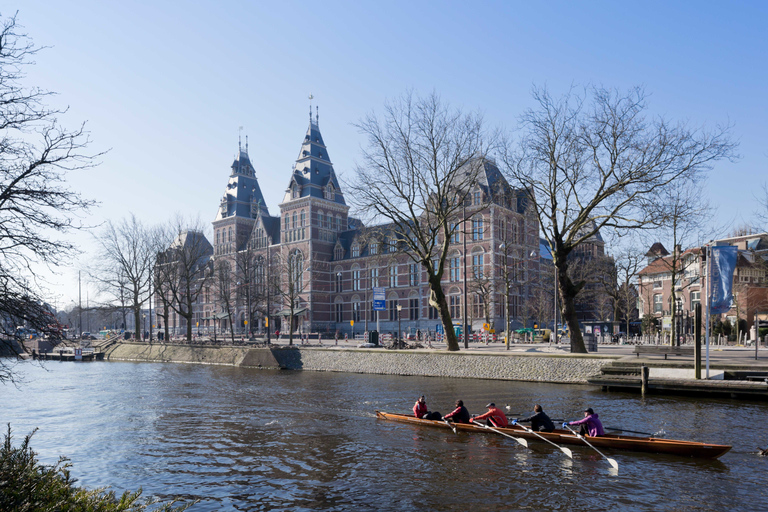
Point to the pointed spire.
(310, 108)
(317, 115)
(246, 144)
(239, 140)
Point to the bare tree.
(187, 261)
(420, 165)
(291, 278)
(683, 217)
(225, 294)
(36, 206)
(599, 165)
(125, 263)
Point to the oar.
(518, 439)
(450, 425)
(611, 461)
(566, 451)
(630, 431)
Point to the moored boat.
(609, 441)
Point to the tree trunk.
(438, 300)
(568, 293)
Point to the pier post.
(644, 372)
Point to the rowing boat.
(610, 441)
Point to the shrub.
(26, 485)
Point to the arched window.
(338, 222)
(296, 270)
(230, 235)
(303, 218)
(295, 220)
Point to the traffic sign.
(379, 299)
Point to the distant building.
(750, 282)
(332, 262)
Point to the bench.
(663, 349)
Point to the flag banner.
(722, 266)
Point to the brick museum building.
(323, 264)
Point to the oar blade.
(613, 463)
(566, 451)
(521, 441)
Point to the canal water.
(244, 439)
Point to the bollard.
(645, 371)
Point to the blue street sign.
(379, 301)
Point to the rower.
(590, 425)
(420, 407)
(459, 415)
(540, 422)
(494, 417)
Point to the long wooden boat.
(559, 436)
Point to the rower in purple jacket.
(590, 425)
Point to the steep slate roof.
(313, 170)
(242, 197)
(657, 250)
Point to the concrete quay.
(612, 367)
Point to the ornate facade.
(322, 264)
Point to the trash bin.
(373, 337)
(127, 335)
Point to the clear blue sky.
(165, 85)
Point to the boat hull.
(609, 441)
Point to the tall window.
(355, 251)
(456, 231)
(373, 248)
(477, 229)
(478, 197)
(355, 280)
(478, 306)
(413, 308)
(455, 270)
(295, 220)
(432, 314)
(392, 307)
(455, 306)
(339, 312)
(695, 299)
(303, 218)
(413, 274)
(477, 266)
(339, 277)
(356, 311)
(374, 277)
(392, 245)
(393, 276)
(658, 305)
(296, 268)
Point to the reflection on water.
(243, 439)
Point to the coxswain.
(495, 417)
(459, 415)
(590, 425)
(540, 422)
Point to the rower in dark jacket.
(540, 422)
(459, 415)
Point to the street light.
(337, 314)
(399, 308)
(506, 297)
(145, 326)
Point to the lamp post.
(339, 288)
(503, 247)
(145, 326)
(464, 241)
(399, 308)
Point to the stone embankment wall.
(564, 368)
